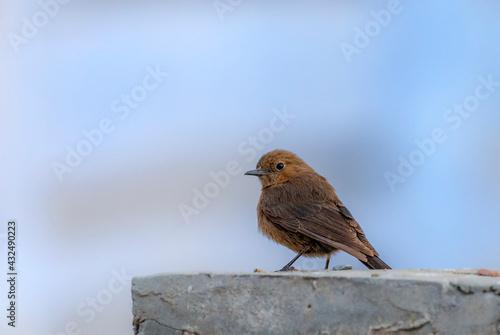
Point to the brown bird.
(299, 209)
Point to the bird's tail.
(375, 263)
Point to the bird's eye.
(280, 166)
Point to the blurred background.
(126, 128)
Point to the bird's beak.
(255, 172)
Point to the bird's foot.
(286, 268)
(342, 267)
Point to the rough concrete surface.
(317, 302)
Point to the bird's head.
(279, 166)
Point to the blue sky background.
(228, 75)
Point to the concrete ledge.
(317, 302)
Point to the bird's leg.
(327, 262)
(289, 265)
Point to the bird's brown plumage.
(299, 209)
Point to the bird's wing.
(323, 221)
